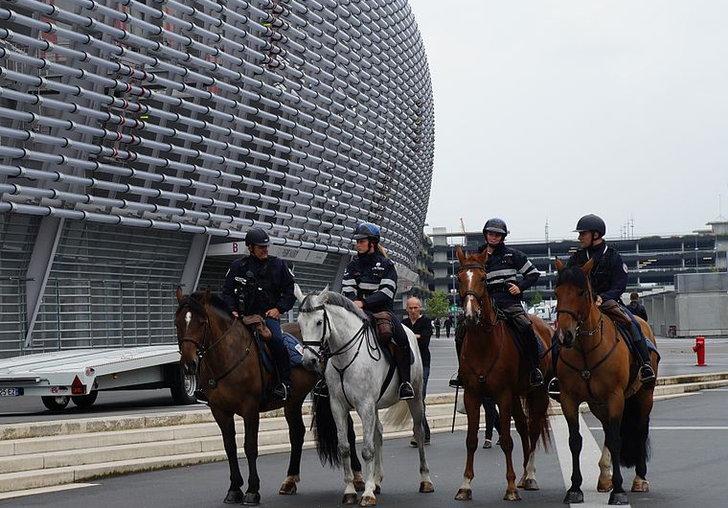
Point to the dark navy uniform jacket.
(372, 279)
(503, 267)
(272, 287)
(608, 276)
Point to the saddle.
(256, 323)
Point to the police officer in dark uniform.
(370, 281)
(608, 279)
(262, 284)
(503, 266)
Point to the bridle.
(582, 321)
(202, 348)
(478, 298)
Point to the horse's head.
(199, 318)
(472, 283)
(319, 317)
(574, 299)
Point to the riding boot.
(535, 378)
(455, 381)
(553, 387)
(647, 374)
(201, 396)
(402, 359)
(283, 366)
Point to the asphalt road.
(677, 358)
(688, 436)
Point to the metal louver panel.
(111, 287)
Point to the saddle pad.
(294, 348)
(518, 341)
(625, 336)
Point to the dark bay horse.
(491, 365)
(595, 366)
(225, 355)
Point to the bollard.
(699, 349)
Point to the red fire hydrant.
(699, 349)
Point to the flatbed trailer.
(79, 375)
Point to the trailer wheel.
(183, 387)
(55, 403)
(85, 401)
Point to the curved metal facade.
(179, 120)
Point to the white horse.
(358, 377)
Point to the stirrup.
(455, 381)
(536, 377)
(201, 397)
(647, 375)
(554, 389)
(281, 392)
(321, 389)
(406, 391)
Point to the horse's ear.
(206, 295)
(324, 294)
(298, 293)
(461, 256)
(588, 266)
(179, 294)
(558, 264)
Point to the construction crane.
(462, 224)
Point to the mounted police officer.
(608, 279)
(260, 284)
(370, 281)
(503, 266)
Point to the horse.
(490, 365)
(595, 366)
(225, 356)
(359, 378)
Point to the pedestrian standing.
(448, 326)
(422, 328)
(437, 328)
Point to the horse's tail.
(397, 415)
(634, 433)
(537, 405)
(324, 432)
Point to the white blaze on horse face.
(188, 318)
(469, 301)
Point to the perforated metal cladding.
(302, 117)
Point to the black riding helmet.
(591, 222)
(495, 225)
(367, 230)
(257, 236)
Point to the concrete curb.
(35, 455)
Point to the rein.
(203, 350)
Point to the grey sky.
(553, 109)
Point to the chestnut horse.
(491, 365)
(595, 366)
(224, 354)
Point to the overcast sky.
(548, 110)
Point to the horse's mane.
(214, 301)
(331, 298)
(573, 275)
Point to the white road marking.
(589, 460)
(45, 490)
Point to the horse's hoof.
(251, 499)
(368, 501)
(349, 499)
(640, 485)
(427, 487)
(618, 498)
(464, 495)
(377, 489)
(512, 496)
(359, 484)
(530, 484)
(234, 497)
(574, 496)
(288, 489)
(605, 485)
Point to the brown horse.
(595, 366)
(491, 365)
(224, 354)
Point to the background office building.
(140, 140)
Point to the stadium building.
(141, 139)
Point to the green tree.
(537, 298)
(438, 305)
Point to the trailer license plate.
(11, 392)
